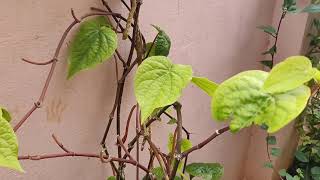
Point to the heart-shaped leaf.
(93, 44)
(205, 84)
(289, 74)
(207, 171)
(284, 108)
(240, 98)
(159, 83)
(8, 146)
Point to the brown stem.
(38, 63)
(124, 138)
(205, 142)
(283, 15)
(137, 145)
(177, 154)
(54, 63)
(159, 158)
(88, 155)
(124, 148)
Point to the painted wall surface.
(291, 41)
(218, 38)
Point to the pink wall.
(290, 43)
(218, 38)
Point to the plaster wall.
(218, 38)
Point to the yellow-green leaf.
(158, 83)
(8, 147)
(284, 108)
(289, 74)
(205, 84)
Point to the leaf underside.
(207, 171)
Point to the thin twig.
(159, 158)
(206, 141)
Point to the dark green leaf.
(272, 51)
(268, 29)
(275, 152)
(301, 156)
(207, 171)
(267, 63)
(271, 140)
(162, 44)
(5, 114)
(93, 44)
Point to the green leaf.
(271, 140)
(8, 147)
(283, 173)
(289, 74)
(185, 144)
(316, 75)
(207, 171)
(112, 178)
(267, 63)
(162, 44)
(205, 84)
(284, 108)
(93, 44)
(315, 170)
(5, 114)
(150, 50)
(290, 5)
(268, 29)
(159, 83)
(159, 174)
(312, 8)
(240, 98)
(172, 121)
(268, 165)
(275, 152)
(301, 156)
(272, 51)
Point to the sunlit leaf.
(8, 147)
(205, 84)
(289, 74)
(159, 83)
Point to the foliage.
(93, 44)
(307, 156)
(267, 99)
(158, 83)
(8, 143)
(207, 171)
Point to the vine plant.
(269, 99)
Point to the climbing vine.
(267, 99)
